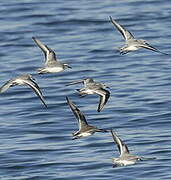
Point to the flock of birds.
(53, 65)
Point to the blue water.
(35, 143)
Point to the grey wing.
(7, 85)
(78, 114)
(49, 53)
(104, 96)
(148, 46)
(125, 33)
(36, 89)
(123, 149)
(43, 47)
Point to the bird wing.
(125, 33)
(123, 149)
(104, 96)
(78, 114)
(7, 85)
(50, 55)
(148, 46)
(36, 89)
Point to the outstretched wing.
(78, 114)
(7, 85)
(49, 53)
(125, 33)
(123, 149)
(36, 89)
(148, 46)
(104, 96)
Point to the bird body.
(125, 157)
(84, 128)
(92, 87)
(52, 64)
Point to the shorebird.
(24, 80)
(52, 64)
(132, 44)
(84, 128)
(92, 87)
(125, 157)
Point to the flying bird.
(125, 157)
(92, 87)
(132, 44)
(24, 80)
(52, 64)
(84, 128)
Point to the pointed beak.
(70, 67)
(74, 82)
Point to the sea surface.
(35, 142)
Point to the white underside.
(88, 91)
(54, 69)
(132, 48)
(124, 162)
(51, 69)
(19, 81)
(84, 134)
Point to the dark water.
(35, 143)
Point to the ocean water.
(35, 142)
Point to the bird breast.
(19, 81)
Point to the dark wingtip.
(46, 106)
(111, 130)
(162, 53)
(111, 19)
(67, 84)
(98, 110)
(67, 98)
(165, 54)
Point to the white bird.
(84, 128)
(24, 80)
(132, 44)
(52, 64)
